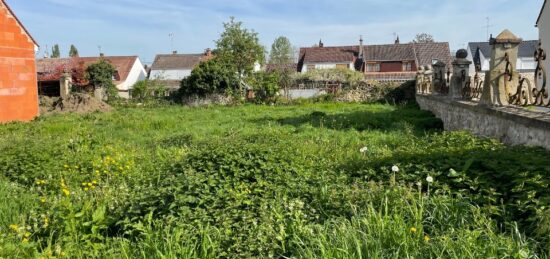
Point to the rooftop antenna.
(171, 35)
(46, 53)
(99, 48)
(488, 26)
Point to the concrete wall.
(515, 126)
(18, 86)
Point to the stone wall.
(511, 125)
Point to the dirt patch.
(75, 103)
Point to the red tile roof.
(19, 22)
(123, 64)
(178, 61)
(422, 53)
(329, 54)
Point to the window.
(310, 67)
(373, 67)
(346, 66)
(407, 66)
(434, 61)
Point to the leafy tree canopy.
(281, 52)
(73, 52)
(55, 51)
(423, 38)
(240, 47)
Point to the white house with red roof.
(129, 71)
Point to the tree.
(73, 52)
(240, 48)
(212, 76)
(55, 52)
(282, 52)
(423, 38)
(100, 75)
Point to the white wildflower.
(429, 179)
(364, 150)
(395, 169)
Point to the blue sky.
(141, 27)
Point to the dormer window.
(407, 66)
(373, 67)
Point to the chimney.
(397, 40)
(174, 52)
(208, 52)
(321, 44)
(101, 54)
(361, 48)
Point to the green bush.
(266, 86)
(342, 75)
(209, 77)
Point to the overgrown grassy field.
(304, 181)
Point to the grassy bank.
(311, 181)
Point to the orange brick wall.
(18, 87)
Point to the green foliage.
(256, 181)
(212, 76)
(423, 38)
(73, 52)
(282, 52)
(239, 48)
(266, 86)
(147, 89)
(55, 51)
(100, 75)
(341, 75)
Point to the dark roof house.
(177, 61)
(526, 48)
(400, 59)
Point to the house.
(18, 95)
(171, 69)
(480, 54)
(129, 70)
(389, 62)
(543, 23)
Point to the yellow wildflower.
(66, 192)
(43, 200)
(25, 240)
(94, 182)
(86, 189)
(27, 234)
(14, 227)
(426, 238)
(90, 184)
(66, 166)
(413, 230)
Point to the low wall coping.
(521, 115)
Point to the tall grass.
(264, 182)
